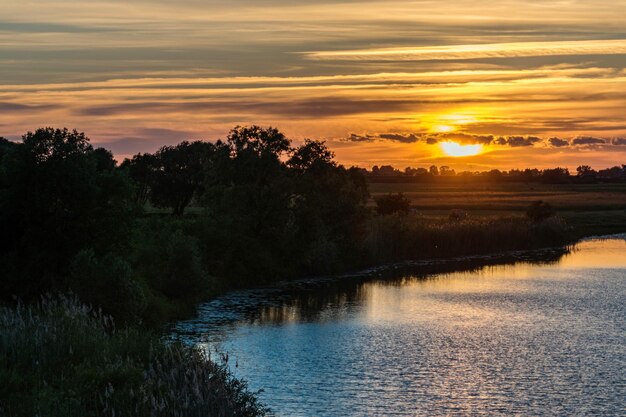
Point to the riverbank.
(99, 360)
(240, 303)
(387, 343)
(62, 358)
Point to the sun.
(457, 150)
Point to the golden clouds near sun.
(450, 122)
(443, 128)
(457, 150)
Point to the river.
(529, 338)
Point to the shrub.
(107, 283)
(398, 238)
(539, 210)
(392, 203)
(169, 261)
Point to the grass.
(591, 209)
(415, 237)
(61, 358)
(507, 196)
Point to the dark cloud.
(314, 108)
(143, 140)
(517, 141)
(41, 27)
(7, 107)
(558, 142)
(358, 138)
(587, 140)
(468, 138)
(410, 138)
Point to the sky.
(526, 83)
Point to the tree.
(141, 169)
(392, 203)
(585, 171)
(555, 175)
(179, 174)
(447, 171)
(59, 196)
(311, 155)
(433, 170)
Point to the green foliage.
(58, 196)
(398, 238)
(107, 283)
(60, 358)
(142, 170)
(169, 261)
(392, 203)
(179, 174)
(275, 211)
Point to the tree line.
(584, 174)
(73, 219)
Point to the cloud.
(517, 141)
(7, 107)
(558, 142)
(410, 138)
(310, 108)
(619, 141)
(477, 51)
(358, 138)
(142, 140)
(460, 137)
(587, 140)
(467, 138)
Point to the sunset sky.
(536, 83)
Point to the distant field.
(508, 196)
(590, 208)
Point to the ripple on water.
(526, 339)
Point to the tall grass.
(61, 358)
(398, 238)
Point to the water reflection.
(543, 336)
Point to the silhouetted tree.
(392, 203)
(584, 171)
(142, 170)
(311, 155)
(555, 175)
(60, 196)
(179, 174)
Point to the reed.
(398, 237)
(62, 358)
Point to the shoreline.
(242, 301)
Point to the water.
(522, 339)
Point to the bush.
(392, 203)
(169, 261)
(398, 238)
(539, 210)
(107, 283)
(60, 358)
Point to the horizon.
(542, 87)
